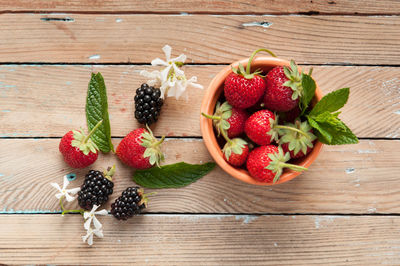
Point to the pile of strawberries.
(249, 122)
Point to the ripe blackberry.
(131, 202)
(148, 103)
(96, 188)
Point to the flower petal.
(167, 51)
(59, 195)
(159, 62)
(85, 237)
(98, 233)
(56, 186)
(164, 73)
(73, 191)
(94, 208)
(178, 72)
(90, 239)
(102, 212)
(86, 225)
(66, 182)
(96, 223)
(180, 58)
(69, 198)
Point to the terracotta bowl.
(213, 93)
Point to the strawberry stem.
(295, 167)
(92, 131)
(223, 132)
(159, 142)
(293, 129)
(252, 56)
(211, 116)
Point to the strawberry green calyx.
(152, 146)
(278, 162)
(276, 129)
(109, 172)
(297, 140)
(222, 114)
(83, 142)
(247, 73)
(235, 146)
(295, 80)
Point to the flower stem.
(92, 131)
(252, 56)
(293, 129)
(213, 117)
(64, 211)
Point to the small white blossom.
(64, 191)
(91, 216)
(89, 235)
(171, 79)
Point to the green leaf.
(96, 110)
(309, 86)
(331, 102)
(332, 131)
(172, 175)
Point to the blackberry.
(96, 188)
(148, 103)
(131, 202)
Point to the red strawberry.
(284, 88)
(260, 127)
(236, 151)
(266, 163)
(140, 149)
(243, 89)
(298, 143)
(78, 150)
(290, 116)
(228, 118)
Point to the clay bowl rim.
(208, 104)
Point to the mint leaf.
(331, 102)
(331, 130)
(172, 175)
(309, 86)
(96, 110)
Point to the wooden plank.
(203, 239)
(372, 111)
(204, 38)
(359, 178)
(206, 6)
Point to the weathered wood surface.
(204, 38)
(203, 239)
(205, 6)
(47, 101)
(359, 179)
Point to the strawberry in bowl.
(270, 150)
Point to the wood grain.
(203, 239)
(47, 101)
(206, 6)
(359, 178)
(204, 38)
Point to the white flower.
(171, 80)
(89, 235)
(91, 216)
(64, 191)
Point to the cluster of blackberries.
(95, 190)
(128, 204)
(148, 103)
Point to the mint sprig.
(97, 110)
(172, 176)
(309, 86)
(324, 119)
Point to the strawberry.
(266, 163)
(78, 150)
(140, 149)
(290, 116)
(229, 118)
(284, 88)
(260, 127)
(297, 143)
(242, 88)
(236, 151)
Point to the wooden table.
(344, 210)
